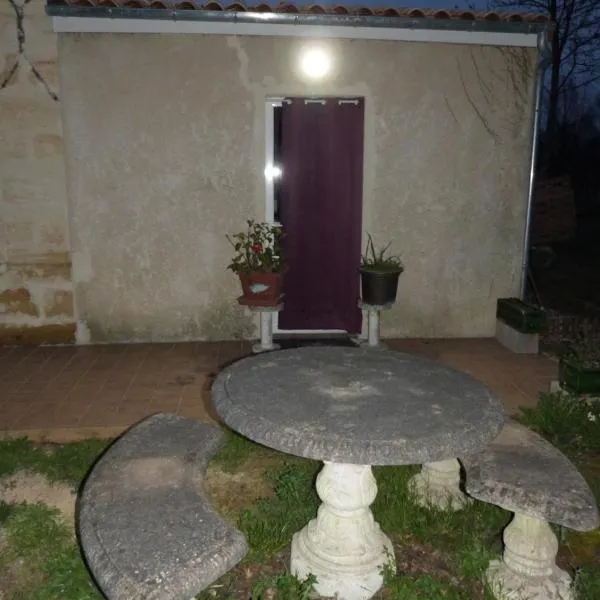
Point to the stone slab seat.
(146, 527)
(522, 472)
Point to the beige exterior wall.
(36, 299)
(165, 154)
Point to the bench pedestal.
(528, 569)
(266, 328)
(438, 484)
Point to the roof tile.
(288, 8)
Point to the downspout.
(543, 62)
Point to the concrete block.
(555, 386)
(515, 341)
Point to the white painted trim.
(298, 332)
(445, 36)
(270, 104)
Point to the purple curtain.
(321, 212)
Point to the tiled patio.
(68, 393)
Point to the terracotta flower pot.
(261, 289)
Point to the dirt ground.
(32, 488)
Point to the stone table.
(352, 408)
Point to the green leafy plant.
(258, 249)
(587, 582)
(567, 421)
(284, 586)
(584, 353)
(378, 259)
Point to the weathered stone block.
(48, 71)
(40, 40)
(50, 266)
(19, 237)
(8, 28)
(19, 189)
(47, 144)
(44, 334)
(59, 304)
(18, 300)
(54, 234)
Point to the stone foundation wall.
(36, 295)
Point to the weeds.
(286, 586)
(587, 582)
(569, 422)
(271, 522)
(40, 559)
(64, 463)
(236, 450)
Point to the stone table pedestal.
(344, 546)
(438, 485)
(352, 408)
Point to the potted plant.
(258, 262)
(579, 368)
(522, 316)
(379, 273)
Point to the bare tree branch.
(575, 51)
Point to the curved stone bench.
(521, 472)
(146, 528)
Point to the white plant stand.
(372, 310)
(266, 327)
(344, 548)
(438, 484)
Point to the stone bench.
(523, 473)
(146, 528)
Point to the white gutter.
(67, 24)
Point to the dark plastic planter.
(578, 379)
(521, 316)
(379, 288)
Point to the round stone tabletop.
(357, 405)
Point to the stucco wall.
(165, 154)
(36, 299)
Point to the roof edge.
(306, 19)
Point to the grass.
(39, 557)
(236, 450)
(40, 549)
(440, 554)
(60, 463)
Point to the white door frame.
(270, 170)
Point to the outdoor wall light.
(315, 62)
(273, 172)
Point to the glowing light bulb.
(315, 62)
(273, 172)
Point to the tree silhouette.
(575, 58)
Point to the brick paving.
(64, 393)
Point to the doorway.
(314, 177)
